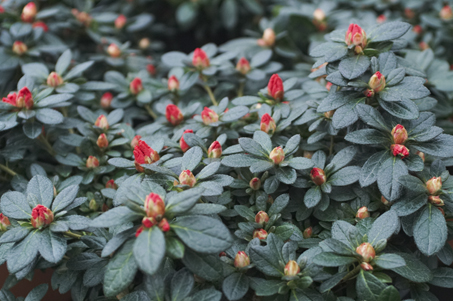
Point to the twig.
(10, 171)
(151, 112)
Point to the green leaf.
(246, 100)
(408, 204)
(383, 227)
(430, 231)
(389, 261)
(14, 234)
(395, 76)
(136, 296)
(389, 173)
(265, 261)
(52, 246)
(413, 184)
(368, 287)
(240, 160)
(65, 198)
(23, 253)
(183, 201)
(354, 66)
(442, 277)
(208, 267)
(38, 293)
(14, 205)
(264, 287)
(344, 231)
(371, 116)
(63, 62)
(252, 147)
(414, 270)
(336, 246)
(121, 162)
(441, 146)
(208, 170)
(149, 250)
(390, 293)
(52, 100)
(370, 169)
(312, 197)
(42, 188)
(235, 286)
(388, 31)
(292, 145)
(78, 70)
(191, 158)
(300, 163)
(260, 58)
(345, 176)
(367, 136)
(37, 70)
(285, 175)
(49, 116)
(181, 285)
(328, 259)
(404, 109)
(234, 114)
(331, 282)
(113, 217)
(279, 204)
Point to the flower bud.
(255, 183)
(308, 232)
(154, 206)
(446, 13)
(381, 19)
(182, 143)
(241, 260)
(151, 69)
(275, 87)
(113, 50)
(369, 93)
(42, 25)
(4, 222)
(41, 216)
(93, 205)
(366, 266)
(29, 12)
(434, 185)
(139, 231)
(399, 150)
(268, 124)
(92, 162)
(144, 43)
(19, 48)
(135, 140)
(308, 154)
(356, 36)
(200, 59)
(436, 200)
(319, 15)
(268, 39)
(111, 184)
(148, 222)
(24, 98)
(164, 225)
(136, 86)
(243, 66)
(173, 83)
(102, 141)
(318, 176)
(260, 234)
(187, 178)
(399, 134)
(144, 154)
(409, 13)
(417, 29)
(329, 114)
(328, 87)
(277, 155)
(441, 211)
(102, 122)
(261, 218)
(82, 17)
(423, 45)
(367, 252)
(421, 155)
(291, 268)
(384, 200)
(174, 114)
(120, 21)
(54, 80)
(215, 150)
(377, 82)
(106, 100)
(209, 116)
(362, 213)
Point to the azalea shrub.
(227, 150)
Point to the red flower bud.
(291, 268)
(243, 66)
(384, 200)
(111, 184)
(277, 155)
(120, 21)
(42, 25)
(377, 82)
(362, 213)
(260, 234)
(318, 176)
(82, 17)
(436, 200)
(102, 122)
(102, 141)
(4, 222)
(255, 183)
(423, 45)
(154, 206)
(187, 178)
(54, 80)
(356, 36)
(268, 124)
(2, 9)
(106, 100)
(144, 154)
(328, 86)
(19, 48)
(139, 231)
(200, 59)
(41, 216)
(399, 150)
(113, 50)
(417, 29)
(399, 134)
(215, 150)
(29, 12)
(136, 86)
(367, 251)
(275, 87)
(409, 13)
(144, 44)
(148, 222)
(381, 19)
(182, 143)
(241, 260)
(174, 115)
(268, 39)
(308, 232)
(92, 162)
(209, 116)
(366, 266)
(446, 13)
(164, 225)
(434, 185)
(135, 140)
(173, 83)
(151, 69)
(261, 218)
(24, 99)
(421, 155)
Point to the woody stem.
(6, 169)
(73, 235)
(151, 112)
(47, 145)
(211, 95)
(351, 273)
(241, 89)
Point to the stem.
(351, 273)
(211, 95)
(151, 112)
(241, 89)
(73, 235)
(47, 145)
(6, 169)
(331, 146)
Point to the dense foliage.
(300, 153)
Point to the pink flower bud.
(174, 115)
(182, 143)
(436, 200)
(243, 66)
(381, 19)
(241, 260)
(19, 48)
(151, 69)
(113, 50)
(41, 216)
(255, 183)
(120, 21)
(42, 25)
(187, 178)
(291, 268)
(399, 134)
(92, 162)
(434, 185)
(268, 39)
(54, 80)
(106, 100)
(268, 124)
(164, 225)
(261, 218)
(24, 99)
(200, 59)
(417, 29)
(144, 154)
(275, 87)
(173, 83)
(421, 155)
(102, 122)
(136, 86)
(377, 82)
(308, 232)
(362, 213)
(209, 116)
(446, 13)
(102, 141)
(367, 252)
(260, 234)
(111, 184)
(135, 140)
(4, 222)
(154, 206)
(318, 176)
(384, 200)
(399, 150)
(215, 150)
(144, 43)
(356, 36)
(369, 93)
(366, 266)
(148, 222)
(423, 45)
(29, 12)
(277, 155)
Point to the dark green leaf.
(430, 231)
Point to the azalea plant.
(227, 150)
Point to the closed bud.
(215, 150)
(120, 21)
(187, 178)
(102, 122)
(417, 29)
(319, 15)
(421, 155)
(329, 114)
(40, 24)
(318, 176)
(291, 268)
(329, 86)
(182, 143)
(308, 232)
(366, 266)
(434, 185)
(111, 184)
(275, 87)
(164, 225)
(144, 43)
(261, 218)
(106, 100)
(356, 36)
(93, 205)
(92, 162)
(423, 45)
(384, 200)
(151, 69)
(381, 19)
(241, 260)
(446, 13)
(268, 38)
(268, 124)
(367, 251)
(154, 206)
(399, 134)
(144, 154)
(409, 13)
(41, 216)
(174, 114)
(173, 83)
(362, 213)
(139, 231)
(135, 140)
(4, 222)
(24, 99)
(377, 82)
(243, 66)
(148, 222)
(19, 48)
(29, 12)
(82, 17)
(436, 200)
(136, 86)
(113, 50)
(209, 116)
(200, 59)
(54, 80)
(260, 234)
(255, 183)
(102, 141)
(369, 93)
(277, 155)
(399, 150)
